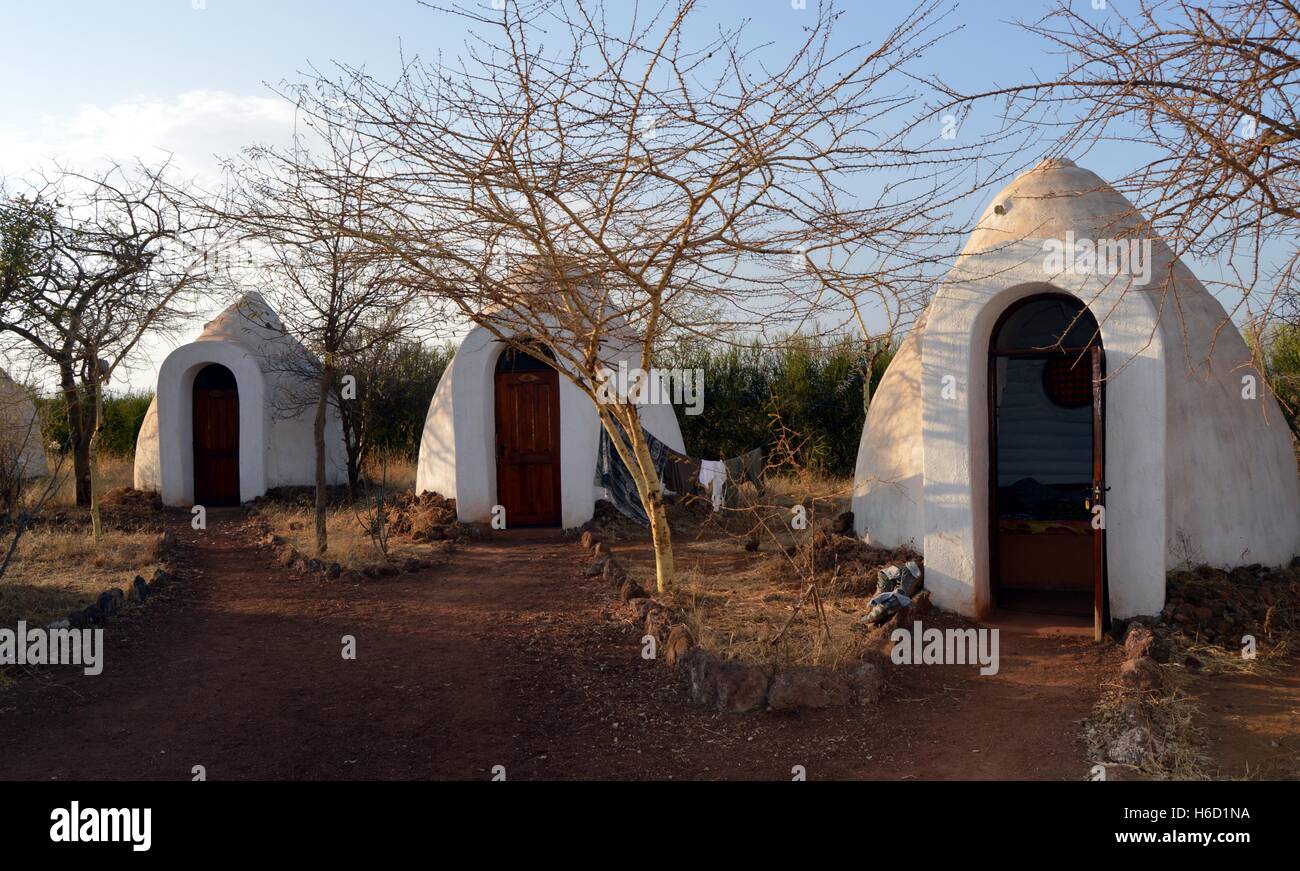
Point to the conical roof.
(1054, 198)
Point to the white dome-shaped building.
(1072, 416)
(21, 448)
(505, 428)
(233, 414)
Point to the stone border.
(730, 685)
(291, 558)
(138, 591)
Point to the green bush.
(814, 386)
(123, 416)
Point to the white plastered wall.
(175, 420)
(458, 444)
(276, 409)
(955, 428)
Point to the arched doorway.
(528, 437)
(216, 436)
(1046, 459)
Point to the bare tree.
(307, 216)
(597, 187)
(1207, 94)
(92, 264)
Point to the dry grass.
(1179, 751)
(58, 569)
(397, 470)
(756, 605)
(348, 542)
(114, 472)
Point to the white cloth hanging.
(713, 473)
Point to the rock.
(1134, 746)
(702, 667)
(1141, 674)
(1192, 664)
(679, 644)
(639, 608)
(806, 686)
(107, 604)
(613, 573)
(629, 590)
(289, 556)
(91, 614)
(1202, 614)
(587, 540)
(164, 543)
(138, 591)
(315, 565)
(742, 687)
(866, 681)
(77, 619)
(1138, 641)
(334, 571)
(658, 622)
(843, 523)
(1133, 713)
(595, 569)
(1159, 650)
(380, 570)
(161, 576)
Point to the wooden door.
(1100, 609)
(216, 445)
(528, 446)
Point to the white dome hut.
(506, 429)
(21, 446)
(990, 442)
(233, 414)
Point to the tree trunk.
(92, 456)
(651, 490)
(80, 426)
(322, 401)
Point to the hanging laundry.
(713, 476)
(746, 467)
(681, 473)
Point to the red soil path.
(503, 657)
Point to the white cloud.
(196, 127)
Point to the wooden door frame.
(498, 455)
(1096, 355)
(236, 424)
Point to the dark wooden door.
(528, 446)
(1100, 610)
(216, 446)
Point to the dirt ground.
(507, 657)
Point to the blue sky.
(90, 79)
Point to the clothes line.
(678, 473)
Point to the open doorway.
(1047, 547)
(528, 438)
(216, 436)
